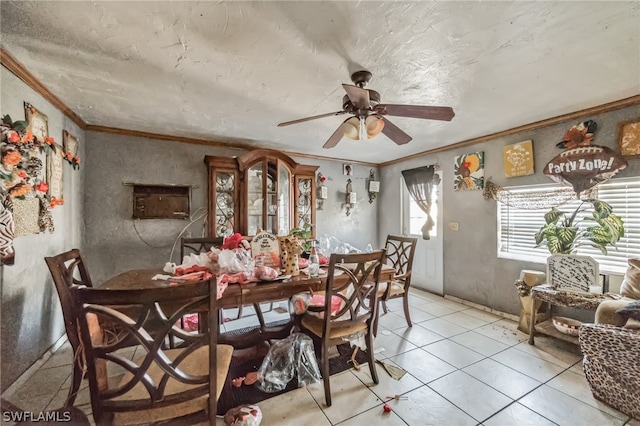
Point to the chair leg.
(371, 358)
(375, 321)
(239, 312)
(75, 384)
(384, 306)
(325, 373)
(405, 303)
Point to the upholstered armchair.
(611, 357)
(611, 347)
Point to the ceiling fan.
(369, 114)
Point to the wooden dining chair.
(69, 269)
(357, 296)
(399, 254)
(157, 385)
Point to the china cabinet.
(261, 190)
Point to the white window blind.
(517, 227)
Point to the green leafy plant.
(564, 232)
(303, 233)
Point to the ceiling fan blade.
(416, 111)
(394, 133)
(302, 120)
(359, 97)
(335, 137)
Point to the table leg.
(532, 320)
(213, 352)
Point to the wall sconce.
(322, 193)
(351, 198)
(374, 186)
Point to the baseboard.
(483, 308)
(21, 380)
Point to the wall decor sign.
(583, 165)
(347, 169)
(518, 159)
(629, 138)
(469, 171)
(572, 273)
(70, 146)
(55, 174)
(267, 245)
(38, 122)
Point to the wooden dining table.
(236, 295)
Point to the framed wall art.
(69, 144)
(629, 138)
(469, 171)
(54, 174)
(38, 122)
(518, 159)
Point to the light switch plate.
(454, 226)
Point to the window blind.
(517, 227)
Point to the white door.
(427, 262)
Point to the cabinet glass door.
(304, 200)
(225, 204)
(255, 199)
(284, 200)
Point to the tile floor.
(465, 367)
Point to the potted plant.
(564, 232)
(303, 233)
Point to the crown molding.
(19, 70)
(611, 106)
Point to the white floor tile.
(392, 321)
(502, 378)
(442, 327)
(453, 353)
(374, 416)
(502, 334)
(479, 343)
(425, 407)
(292, 408)
(455, 306)
(576, 385)
(464, 320)
(553, 350)
(517, 414)
(565, 410)
(422, 365)
(387, 386)
(418, 335)
(470, 395)
(483, 315)
(349, 397)
(529, 365)
(392, 345)
(435, 309)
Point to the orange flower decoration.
(14, 137)
(28, 137)
(56, 202)
(20, 190)
(69, 155)
(77, 160)
(42, 187)
(12, 158)
(22, 174)
(49, 140)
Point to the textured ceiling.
(232, 71)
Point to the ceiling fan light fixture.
(351, 128)
(374, 126)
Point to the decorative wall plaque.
(266, 244)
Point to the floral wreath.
(20, 168)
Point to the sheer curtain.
(419, 182)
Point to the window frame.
(609, 192)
